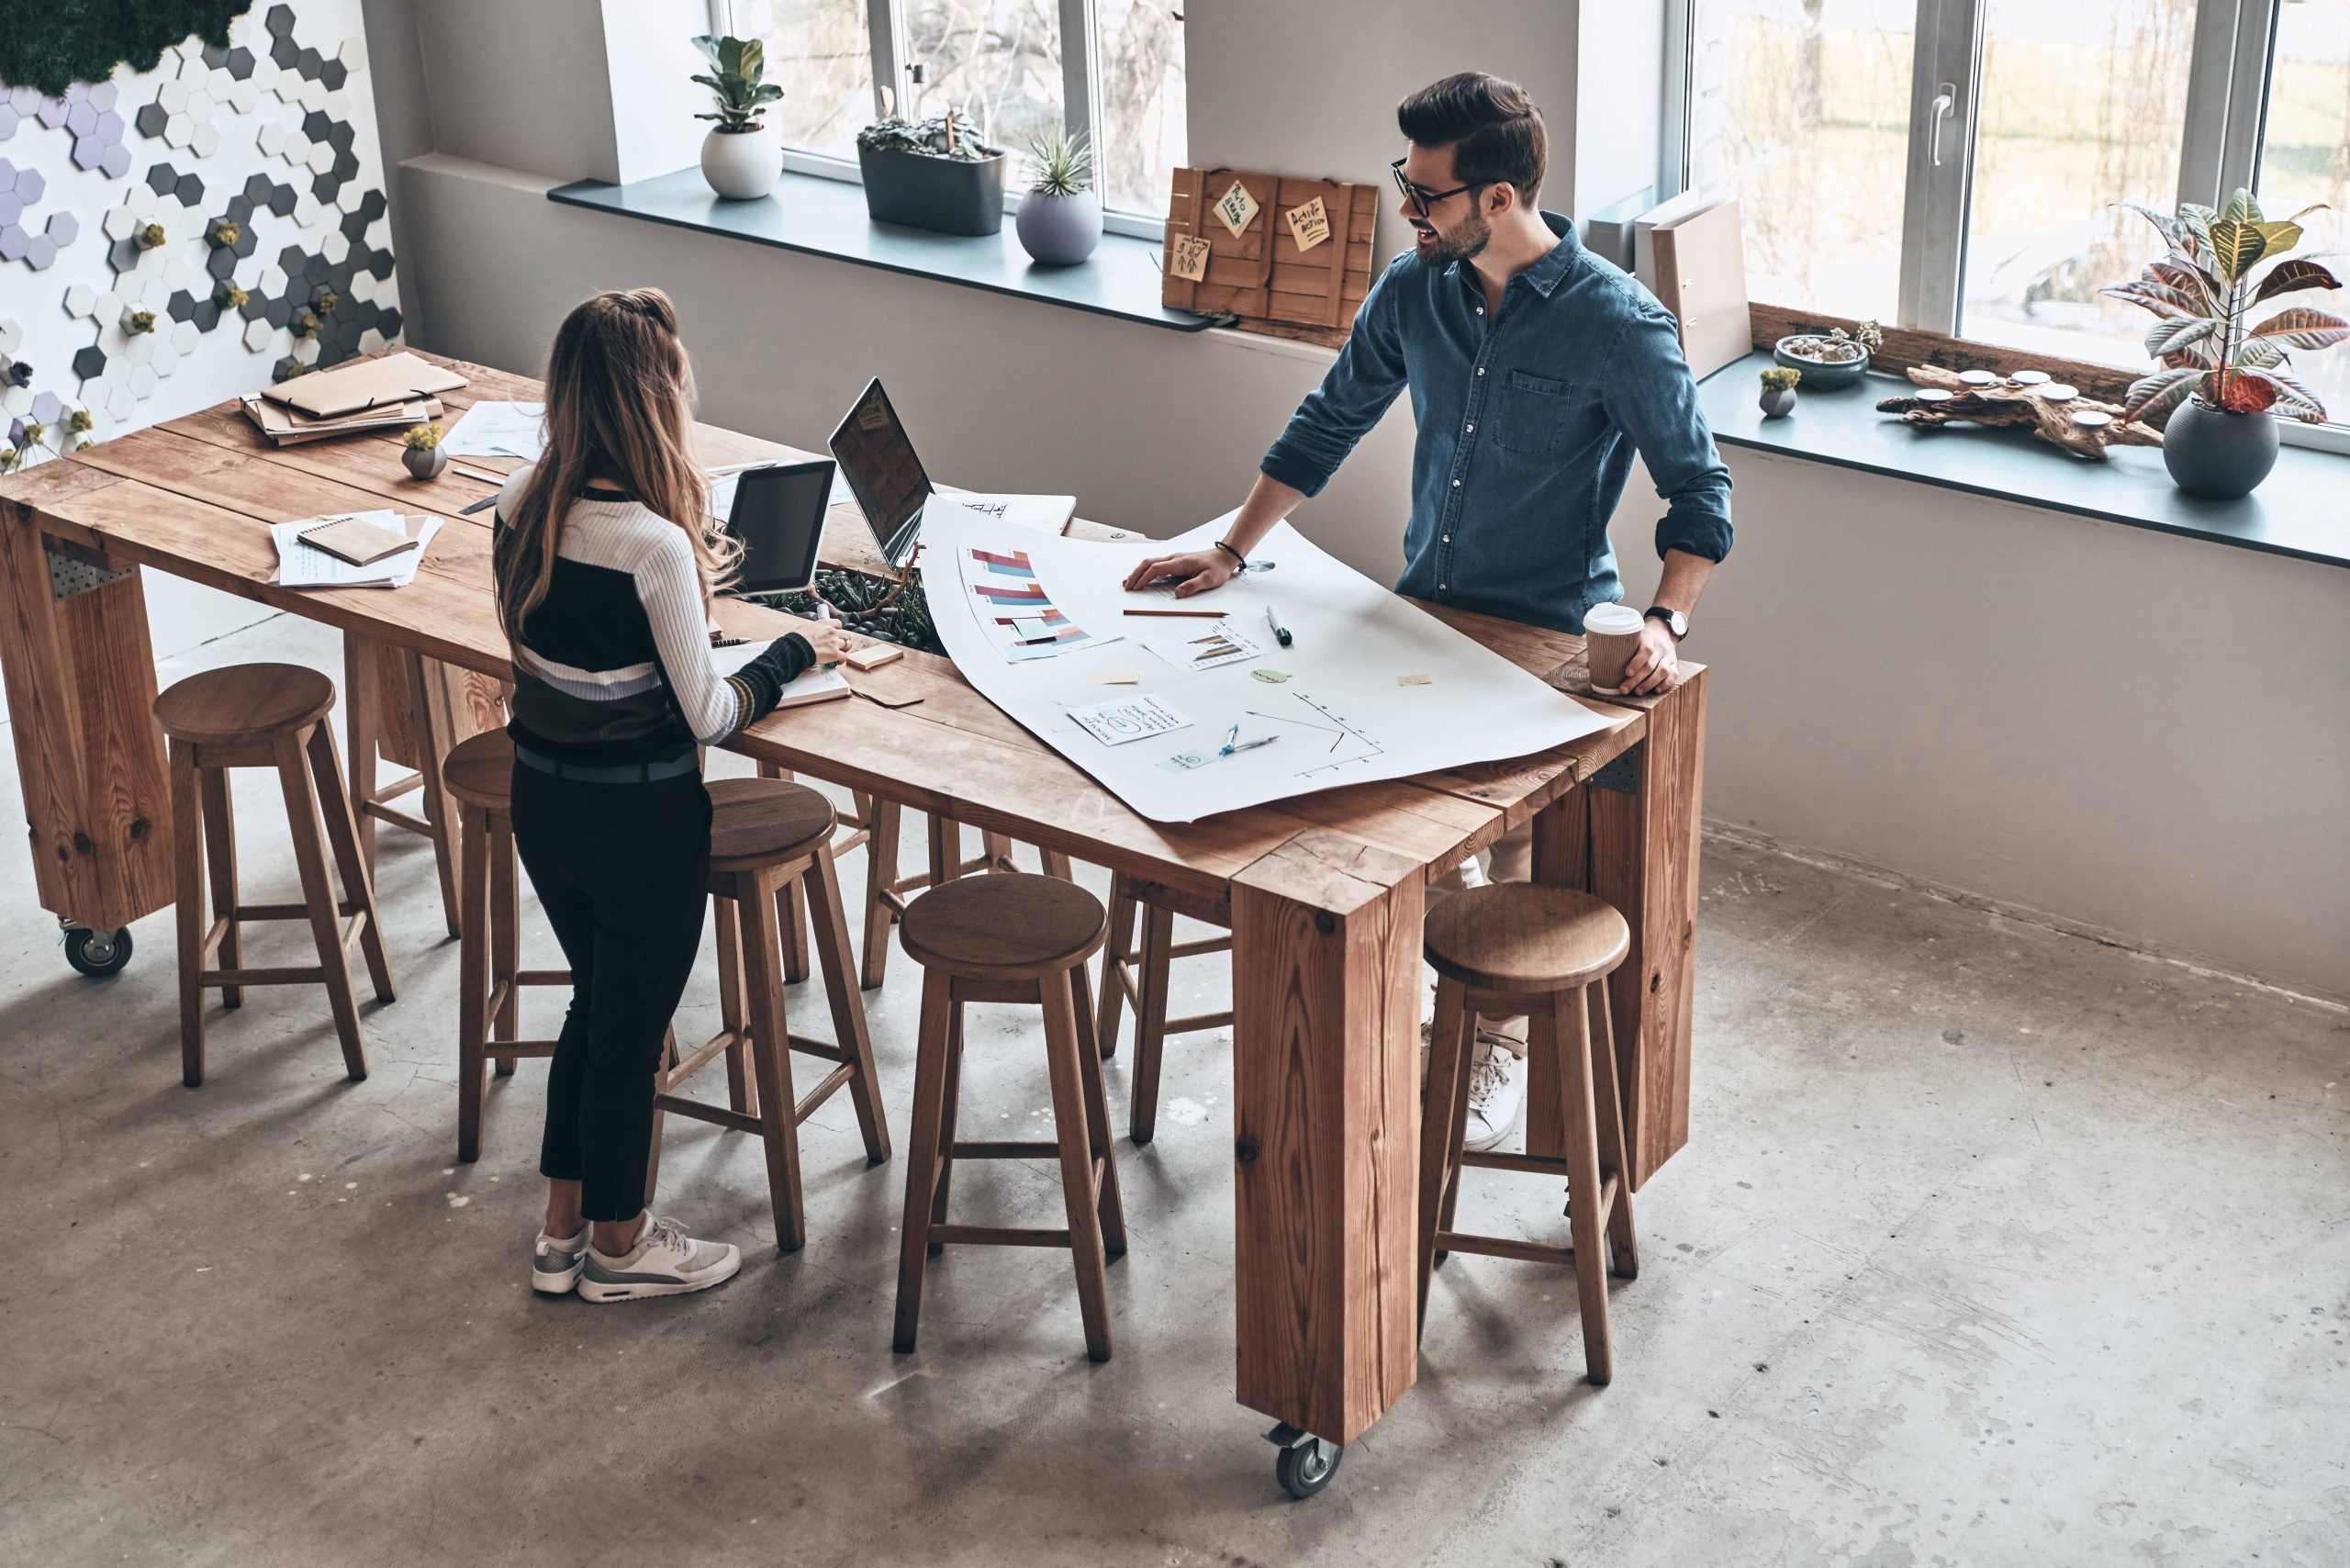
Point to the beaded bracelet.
(1241, 560)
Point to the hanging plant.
(49, 47)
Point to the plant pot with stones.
(1059, 221)
(1778, 400)
(740, 157)
(1829, 359)
(421, 453)
(931, 174)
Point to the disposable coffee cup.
(1611, 634)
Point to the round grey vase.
(1777, 402)
(1060, 230)
(424, 462)
(2217, 455)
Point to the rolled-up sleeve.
(1649, 393)
(1360, 385)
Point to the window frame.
(2221, 139)
(1080, 95)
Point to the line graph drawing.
(1340, 729)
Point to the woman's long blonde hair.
(620, 407)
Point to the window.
(1015, 68)
(1955, 165)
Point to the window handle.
(1945, 104)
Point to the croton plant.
(2203, 294)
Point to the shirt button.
(1456, 484)
(1448, 539)
(1481, 310)
(1472, 429)
(1442, 586)
(1480, 370)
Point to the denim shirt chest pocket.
(1529, 412)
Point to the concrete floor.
(1990, 1245)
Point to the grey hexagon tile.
(46, 407)
(90, 362)
(40, 252)
(63, 229)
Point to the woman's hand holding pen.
(829, 639)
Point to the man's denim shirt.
(1528, 424)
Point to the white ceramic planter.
(741, 165)
(1060, 230)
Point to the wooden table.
(1326, 891)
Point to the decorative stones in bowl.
(1809, 352)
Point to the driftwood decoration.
(2052, 411)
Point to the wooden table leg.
(1630, 833)
(1326, 1045)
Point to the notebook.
(364, 384)
(361, 542)
(817, 685)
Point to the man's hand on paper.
(1197, 571)
(1653, 668)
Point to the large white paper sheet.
(1326, 710)
(498, 430)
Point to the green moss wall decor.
(49, 45)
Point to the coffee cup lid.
(1612, 620)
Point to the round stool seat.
(758, 822)
(1525, 938)
(244, 702)
(479, 770)
(1007, 925)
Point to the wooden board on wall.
(1260, 275)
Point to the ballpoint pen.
(1273, 620)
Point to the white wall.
(2011, 703)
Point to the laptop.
(778, 515)
(892, 488)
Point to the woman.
(604, 585)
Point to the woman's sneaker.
(665, 1261)
(556, 1265)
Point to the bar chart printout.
(1014, 610)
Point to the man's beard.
(1463, 244)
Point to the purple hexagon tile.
(31, 184)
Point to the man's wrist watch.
(1675, 622)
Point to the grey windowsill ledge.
(826, 217)
(2302, 509)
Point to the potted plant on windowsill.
(740, 157)
(931, 173)
(2222, 379)
(1829, 359)
(1059, 221)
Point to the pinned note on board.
(1236, 208)
(1191, 261)
(1310, 223)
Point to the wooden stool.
(1513, 948)
(263, 715)
(1140, 975)
(1009, 938)
(410, 709)
(479, 773)
(766, 832)
(887, 887)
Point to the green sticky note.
(1270, 676)
(1032, 630)
(1184, 761)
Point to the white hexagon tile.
(225, 194)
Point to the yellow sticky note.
(1414, 679)
(873, 656)
(1310, 223)
(874, 414)
(1191, 261)
(1235, 207)
(1117, 677)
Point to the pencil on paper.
(1182, 614)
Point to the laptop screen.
(779, 514)
(880, 466)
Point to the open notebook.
(819, 685)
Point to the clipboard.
(364, 384)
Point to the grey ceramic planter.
(1777, 402)
(424, 462)
(1060, 230)
(1820, 374)
(947, 195)
(2216, 455)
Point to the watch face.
(1675, 622)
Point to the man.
(1536, 369)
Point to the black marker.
(1273, 620)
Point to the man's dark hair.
(1493, 128)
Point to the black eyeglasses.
(1420, 196)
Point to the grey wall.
(2019, 705)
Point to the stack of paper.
(290, 427)
(306, 565)
(498, 430)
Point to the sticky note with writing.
(1191, 257)
(874, 414)
(1310, 223)
(1235, 207)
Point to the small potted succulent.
(2225, 378)
(1059, 221)
(740, 157)
(931, 173)
(1778, 398)
(423, 456)
(1834, 358)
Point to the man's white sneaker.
(665, 1261)
(1496, 1094)
(556, 1265)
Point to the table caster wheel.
(97, 954)
(1305, 1464)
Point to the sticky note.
(1116, 677)
(1032, 631)
(1190, 261)
(873, 656)
(1412, 679)
(1270, 677)
(1184, 761)
(1310, 223)
(874, 414)
(1236, 208)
